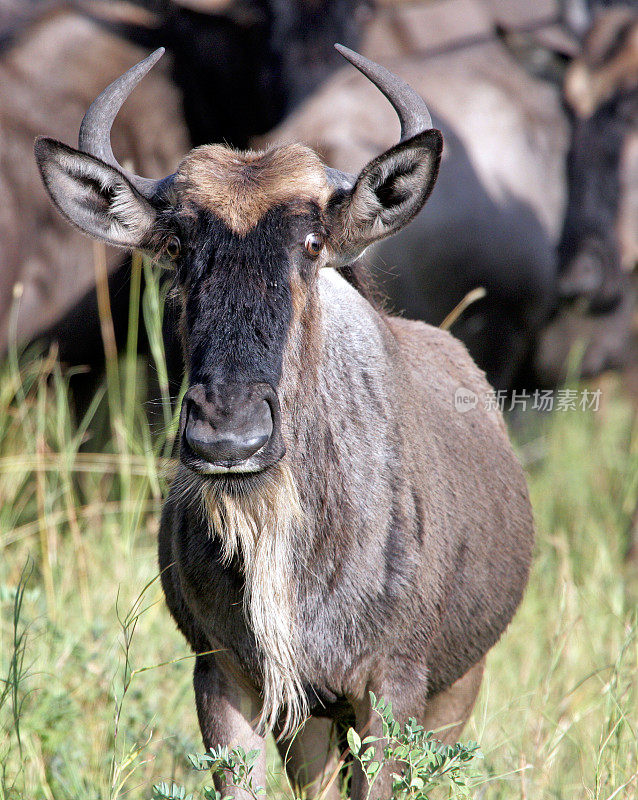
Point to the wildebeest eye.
(313, 244)
(173, 247)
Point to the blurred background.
(526, 251)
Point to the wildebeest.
(598, 246)
(348, 515)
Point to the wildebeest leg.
(368, 723)
(449, 710)
(227, 716)
(311, 759)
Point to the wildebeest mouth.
(203, 467)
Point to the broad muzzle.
(227, 429)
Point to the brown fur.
(240, 187)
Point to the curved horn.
(410, 107)
(95, 130)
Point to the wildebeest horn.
(95, 130)
(410, 107)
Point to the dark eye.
(173, 247)
(313, 244)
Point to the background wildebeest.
(598, 247)
(49, 71)
(240, 66)
(495, 215)
(337, 526)
(233, 74)
(508, 140)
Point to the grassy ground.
(97, 700)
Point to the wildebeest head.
(601, 94)
(246, 233)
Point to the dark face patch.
(237, 293)
(237, 302)
(589, 250)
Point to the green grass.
(96, 698)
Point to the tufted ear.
(95, 197)
(388, 192)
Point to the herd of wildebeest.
(537, 197)
(336, 526)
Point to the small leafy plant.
(425, 763)
(235, 765)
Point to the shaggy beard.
(257, 527)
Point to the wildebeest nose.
(226, 433)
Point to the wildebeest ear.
(95, 197)
(389, 191)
